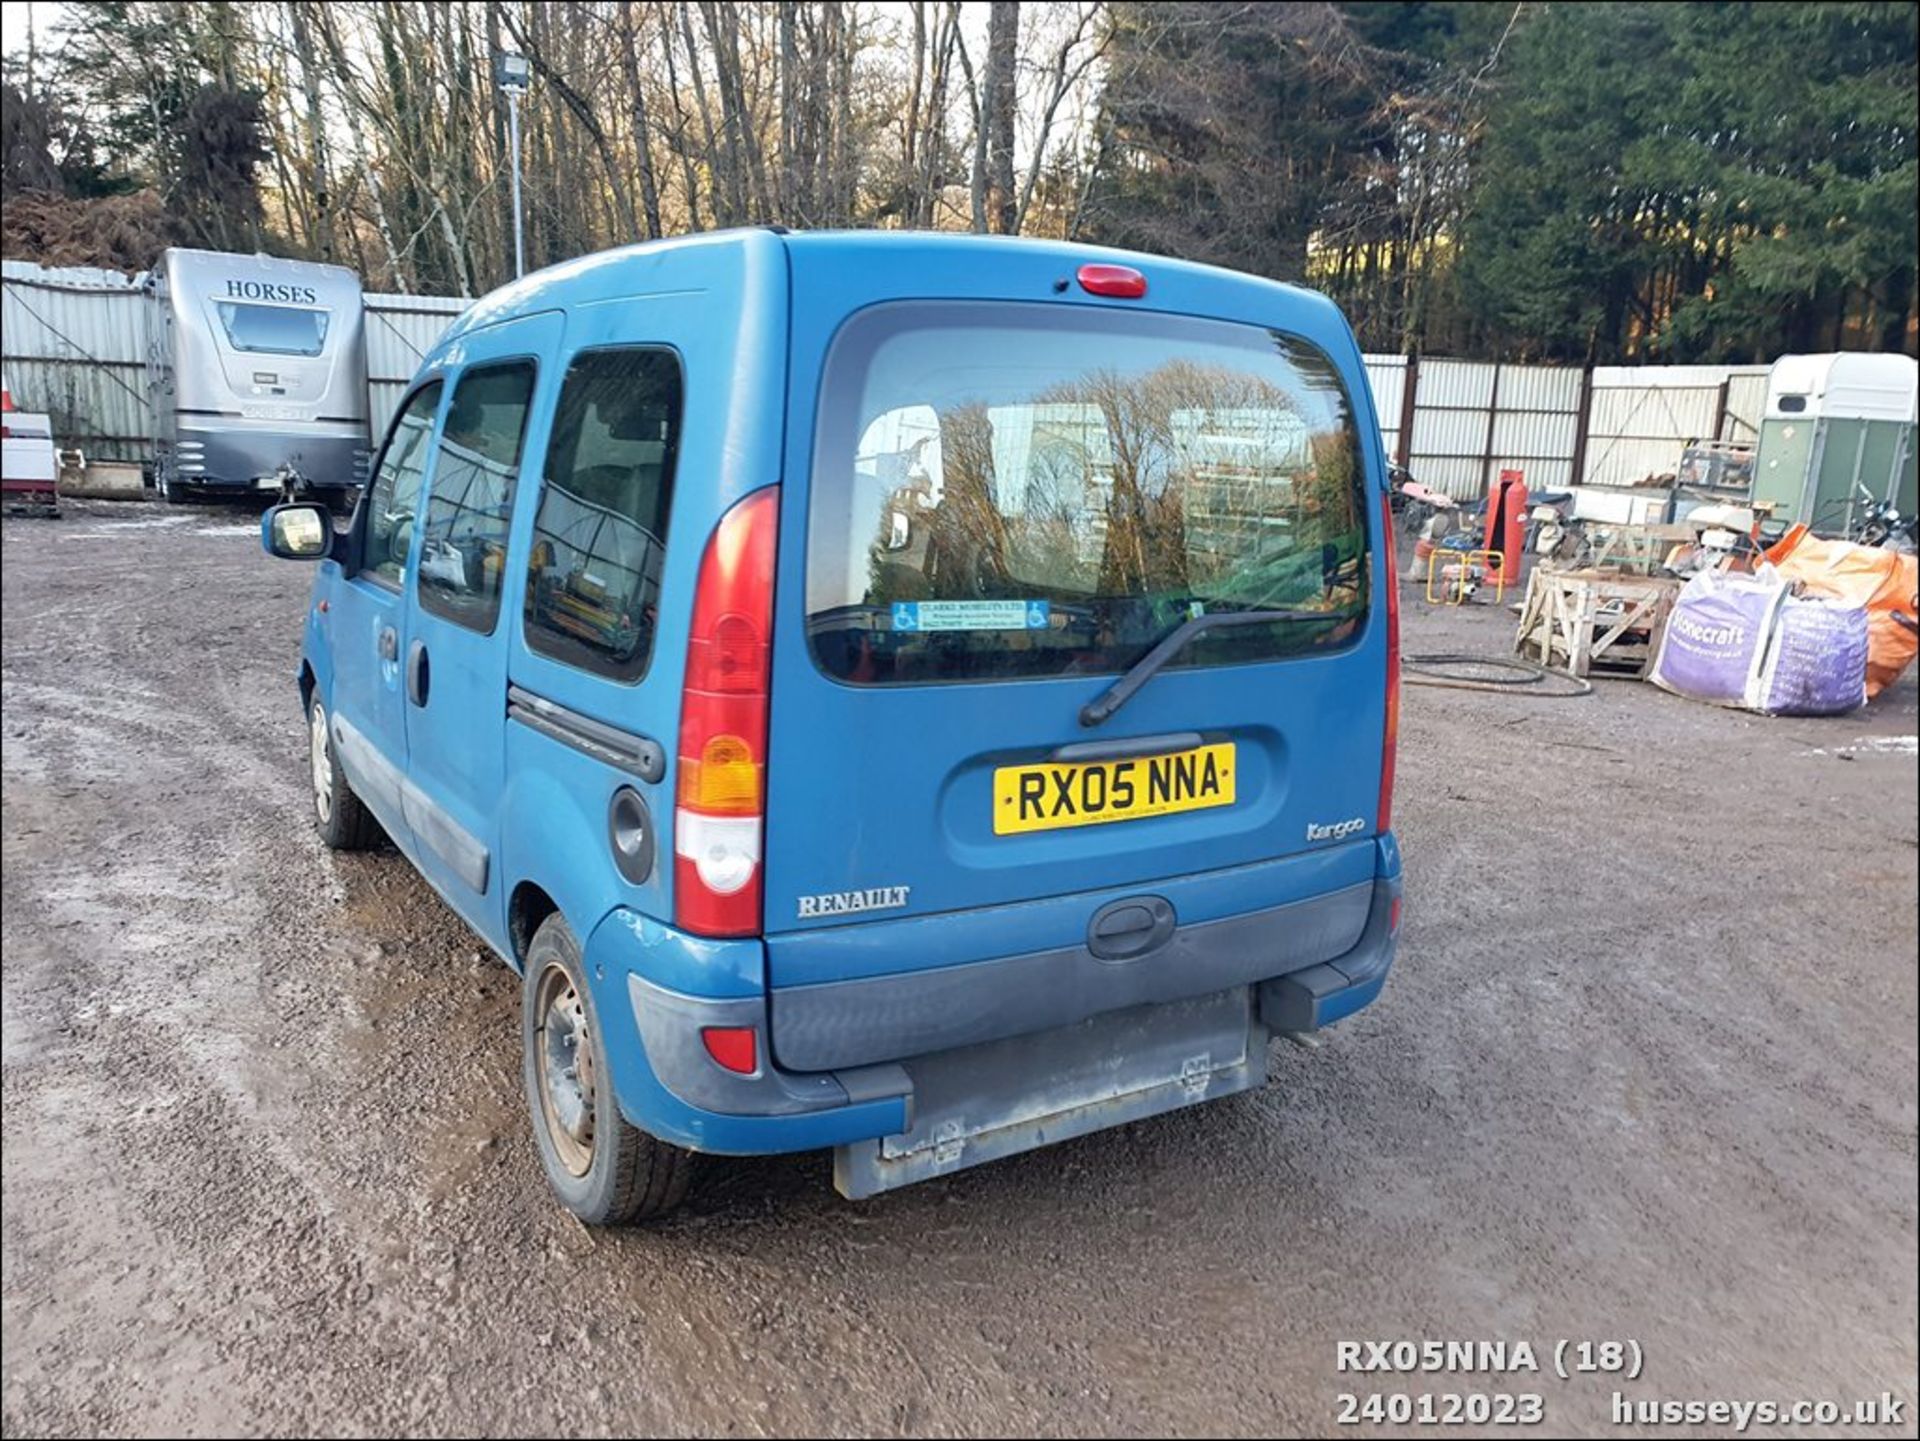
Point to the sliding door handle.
(418, 675)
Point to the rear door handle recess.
(418, 675)
(1123, 930)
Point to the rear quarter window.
(593, 574)
(1009, 490)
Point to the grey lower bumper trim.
(910, 1013)
(1319, 995)
(670, 1024)
(983, 1103)
(230, 457)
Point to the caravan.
(257, 376)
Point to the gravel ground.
(1646, 1070)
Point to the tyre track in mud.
(267, 1168)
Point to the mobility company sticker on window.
(918, 615)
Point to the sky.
(14, 18)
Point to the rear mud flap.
(980, 1103)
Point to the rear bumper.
(1317, 996)
(884, 1018)
(235, 458)
(967, 1063)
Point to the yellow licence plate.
(1049, 795)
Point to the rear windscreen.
(274, 329)
(1005, 490)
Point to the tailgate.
(992, 509)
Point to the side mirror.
(297, 532)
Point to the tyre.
(170, 489)
(344, 822)
(605, 1171)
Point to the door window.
(394, 497)
(593, 578)
(463, 548)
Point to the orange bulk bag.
(1881, 580)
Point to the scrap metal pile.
(1721, 604)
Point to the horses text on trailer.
(257, 373)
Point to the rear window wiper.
(1149, 665)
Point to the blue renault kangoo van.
(922, 696)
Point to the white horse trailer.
(257, 372)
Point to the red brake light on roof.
(1122, 282)
(721, 794)
(1390, 741)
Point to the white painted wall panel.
(1539, 387)
(1534, 433)
(1449, 432)
(1456, 383)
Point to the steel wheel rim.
(322, 762)
(563, 1056)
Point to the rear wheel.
(605, 1171)
(344, 822)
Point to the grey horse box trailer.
(257, 374)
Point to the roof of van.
(634, 269)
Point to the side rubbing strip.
(396, 798)
(636, 754)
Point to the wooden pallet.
(1592, 623)
(1633, 549)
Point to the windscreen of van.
(1011, 490)
(273, 329)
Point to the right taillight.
(1390, 740)
(721, 796)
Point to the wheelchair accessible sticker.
(918, 615)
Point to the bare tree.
(995, 150)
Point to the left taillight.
(720, 809)
(1390, 737)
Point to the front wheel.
(605, 1171)
(344, 822)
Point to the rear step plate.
(979, 1103)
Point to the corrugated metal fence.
(1456, 424)
(1471, 419)
(1638, 411)
(401, 329)
(75, 344)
